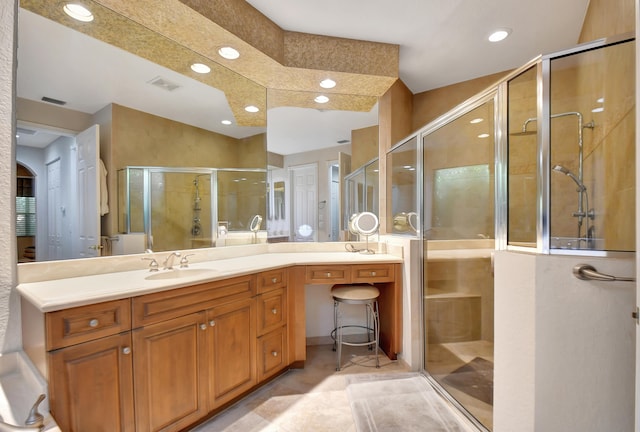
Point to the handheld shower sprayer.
(583, 208)
(563, 170)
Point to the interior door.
(305, 202)
(54, 216)
(88, 187)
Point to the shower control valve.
(184, 262)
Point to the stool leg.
(368, 324)
(335, 324)
(338, 336)
(376, 329)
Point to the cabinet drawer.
(272, 353)
(72, 326)
(156, 307)
(372, 273)
(272, 280)
(272, 308)
(327, 274)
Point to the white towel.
(104, 193)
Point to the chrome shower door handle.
(589, 272)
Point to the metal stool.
(363, 294)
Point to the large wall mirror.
(154, 113)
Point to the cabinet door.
(232, 350)
(91, 385)
(171, 374)
(272, 353)
(272, 308)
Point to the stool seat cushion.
(361, 292)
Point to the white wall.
(565, 349)
(10, 339)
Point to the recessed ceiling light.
(229, 53)
(600, 100)
(484, 135)
(476, 120)
(226, 122)
(321, 99)
(78, 12)
(200, 68)
(327, 83)
(499, 35)
(251, 109)
(597, 110)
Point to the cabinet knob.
(212, 323)
(274, 353)
(126, 350)
(203, 326)
(373, 273)
(328, 274)
(274, 280)
(274, 311)
(94, 323)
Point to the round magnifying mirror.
(255, 223)
(365, 223)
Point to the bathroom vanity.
(151, 351)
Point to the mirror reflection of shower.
(583, 213)
(196, 226)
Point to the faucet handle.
(153, 265)
(184, 262)
(35, 418)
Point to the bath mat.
(399, 402)
(474, 378)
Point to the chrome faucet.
(168, 263)
(34, 422)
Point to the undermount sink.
(180, 273)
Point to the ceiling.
(441, 42)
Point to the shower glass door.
(180, 210)
(458, 241)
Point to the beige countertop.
(79, 290)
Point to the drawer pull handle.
(274, 311)
(126, 350)
(328, 274)
(94, 323)
(373, 273)
(274, 353)
(274, 280)
(212, 323)
(203, 326)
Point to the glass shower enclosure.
(181, 208)
(541, 163)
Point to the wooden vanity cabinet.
(171, 372)
(273, 353)
(91, 385)
(193, 352)
(89, 365)
(232, 350)
(165, 360)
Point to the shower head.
(563, 170)
(523, 133)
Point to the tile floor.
(447, 357)
(309, 399)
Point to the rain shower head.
(563, 170)
(524, 131)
